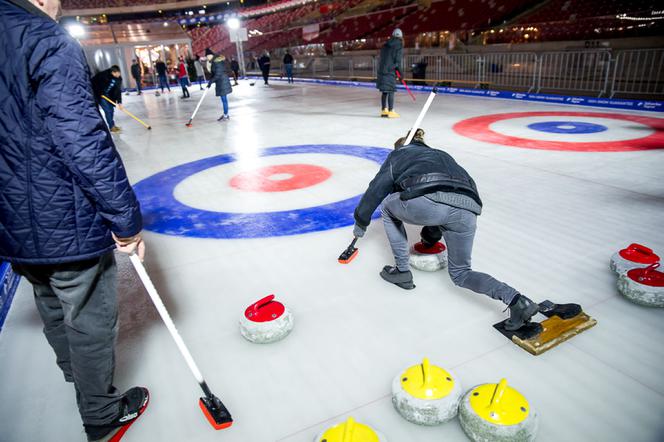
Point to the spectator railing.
(639, 72)
(590, 72)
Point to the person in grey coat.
(388, 63)
(220, 77)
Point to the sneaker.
(521, 310)
(397, 277)
(115, 129)
(384, 113)
(392, 114)
(227, 117)
(134, 402)
(220, 118)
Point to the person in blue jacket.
(66, 205)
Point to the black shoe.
(521, 310)
(397, 277)
(133, 404)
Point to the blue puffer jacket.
(63, 187)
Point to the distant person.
(66, 205)
(388, 63)
(220, 79)
(200, 73)
(288, 66)
(423, 186)
(183, 77)
(108, 84)
(160, 68)
(136, 73)
(235, 67)
(264, 63)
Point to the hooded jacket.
(63, 186)
(415, 170)
(390, 60)
(219, 70)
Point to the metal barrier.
(591, 72)
(574, 71)
(638, 72)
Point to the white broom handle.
(199, 103)
(152, 291)
(420, 117)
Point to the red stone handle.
(640, 249)
(263, 302)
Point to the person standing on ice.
(183, 77)
(137, 74)
(264, 63)
(200, 73)
(66, 205)
(388, 63)
(108, 83)
(220, 78)
(426, 187)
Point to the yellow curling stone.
(497, 413)
(350, 431)
(426, 394)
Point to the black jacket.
(288, 59)
(135, 71)
(220, 73)
(264, 63)
(160, 67)
(390, 60)
(62, 183)
(415, 170)
(104, 83)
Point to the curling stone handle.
(263, 302)
(349, 429)
(426, 371)
(640, 249)
(651, 268)
(498, 393)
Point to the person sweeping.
(423, 186)
(108, 83)
(220, 78)
(386, 81)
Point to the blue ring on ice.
(162, 213)
(567, 127)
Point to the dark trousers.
(289, 72)
(138, 84)
(109, 110)
(78, 305)
(266, 74)
(387, 100)
(163, 83)
(184, 81)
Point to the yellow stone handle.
(498, 394)
(426, 372)
(349, 429)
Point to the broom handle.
(152, 291)
(126, 111)
(420, 117)
(199, 104)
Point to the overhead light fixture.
(165, 23)
(233, 23)
(76, 30)
(201, 11)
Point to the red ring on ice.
(477, 128)
(280, 178)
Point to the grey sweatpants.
(78, 306)
(458, 228)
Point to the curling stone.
(643, 286)
(350, 431)
(266, 321)
(428, 259)
(632, 257)
(497, 413)
(425, 394)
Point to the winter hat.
(397, 33)
(208, 51)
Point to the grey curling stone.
(480, 430)
(265, 332)
(639, 293)
(319, 437)
(427, 262)
(426, 411)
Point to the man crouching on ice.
(426, 187)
